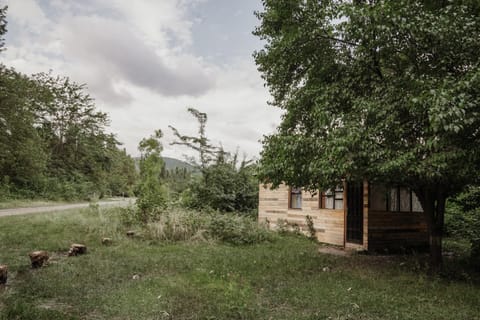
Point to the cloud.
(112, 48)
(142, 44)
(146, 61)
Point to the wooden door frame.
(363, 244)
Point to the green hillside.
(172, 163)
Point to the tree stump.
(106, 241)
(38, 258)
(3, 274)
(130, 233)
(76, 249)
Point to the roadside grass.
(27, 203)
(31, 203)
(200, 279)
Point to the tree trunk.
(433, 202)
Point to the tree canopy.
(380, 90)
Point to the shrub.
(186, 225)
(237, 230)
(223, 187)
(462, 219)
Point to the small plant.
(286, 227)
(311, 228)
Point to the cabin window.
(393, 200)
(396, 199)
(416, 205)
(378, 197)
(295, 198)
(331, 199)
(405, 200)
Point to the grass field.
(280, 279)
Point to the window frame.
(388, 201)
(290, 195)
(323, 196)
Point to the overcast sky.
(146, 61)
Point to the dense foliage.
(463, 219)
(54, 142)
(152, 195)
(223, 182)
(382, 90)
(225, 187)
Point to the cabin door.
(355, 212)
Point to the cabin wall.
(274, 206)
(396, 230)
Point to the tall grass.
(178, 224)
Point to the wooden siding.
(273, 206)
(396, 230)
(381, 230)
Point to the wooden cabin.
(357, 215)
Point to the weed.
(312, 233)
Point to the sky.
(145, 61)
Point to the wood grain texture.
(397, 230)
(328, 224)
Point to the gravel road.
(20, 211)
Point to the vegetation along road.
(120, 202)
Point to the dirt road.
(20, 211)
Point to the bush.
(237, 230)
(223, 187)
(462, 219)
(186, 225)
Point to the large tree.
(380, 90)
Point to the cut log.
(106, 241)
(130, 233)
(76, 249)
(38, 258)
(3, 274)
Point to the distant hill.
(170, 163)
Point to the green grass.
(282, 279)
(26, 203)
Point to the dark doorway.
(355, 212)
